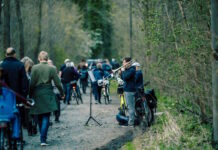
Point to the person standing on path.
(128, 73)
(42, 91)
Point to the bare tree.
(50, 29)
(6, 28)
(0, 21)
(20, 22)
(214, 23)
(36, 50)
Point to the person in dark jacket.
(98, 74)
(14, 76)
(14, 73)
(128, 76)
(69, 74)
(138, 75)
(63, 66)
(84, 78)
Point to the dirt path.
(71, 134)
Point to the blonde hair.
(28, 63)
(99, 65)
(43, 55)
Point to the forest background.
(171, 40)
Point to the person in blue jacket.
(128, 73)
(138, 75)
(98, 74)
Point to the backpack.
(7, 104)
(151, 98)
(83, 74)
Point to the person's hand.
(63, 97)
(119, 72)
(122, 69)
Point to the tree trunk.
(214, 27)
(20, 22)
(0, 24)
(51, 28)
(6, 28)
(130, 27)
(36, 51)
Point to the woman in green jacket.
(42, 91)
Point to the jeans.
(43, 121)
(130, 101)
(67, 89)
(97, 92)
(16, 125)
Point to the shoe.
(96, 102)
(44, 144)
(57, 120)
(131, 126)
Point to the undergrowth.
(173, 130)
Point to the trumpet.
(129, 63)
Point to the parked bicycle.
(123, 106)
(145, 105)
(76, 94)
(105, 89)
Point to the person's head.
(66, 61)
(10, 52)
(28, 63)
(43, 56)
(69, 64)
(50, 62)
(99, 65)
(137, 65)
(126, 61)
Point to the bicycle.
(123, 106)
(5, 129)
(145, 105)
(76, 94)
(105, 89)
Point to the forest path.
(71, 134)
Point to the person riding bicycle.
(128, 76)
(69, 74)
(15, 77)
(8, 99)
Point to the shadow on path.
(118, 142)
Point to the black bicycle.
(145, 105)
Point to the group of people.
(46, 86)
(34, 81)
(132, 76)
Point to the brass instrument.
(116, 70)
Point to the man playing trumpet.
(127, 73)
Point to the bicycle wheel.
(79, 95)
(74, 97)
(105, 99)
(147, 113)
(107, 95)
(2, 139)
